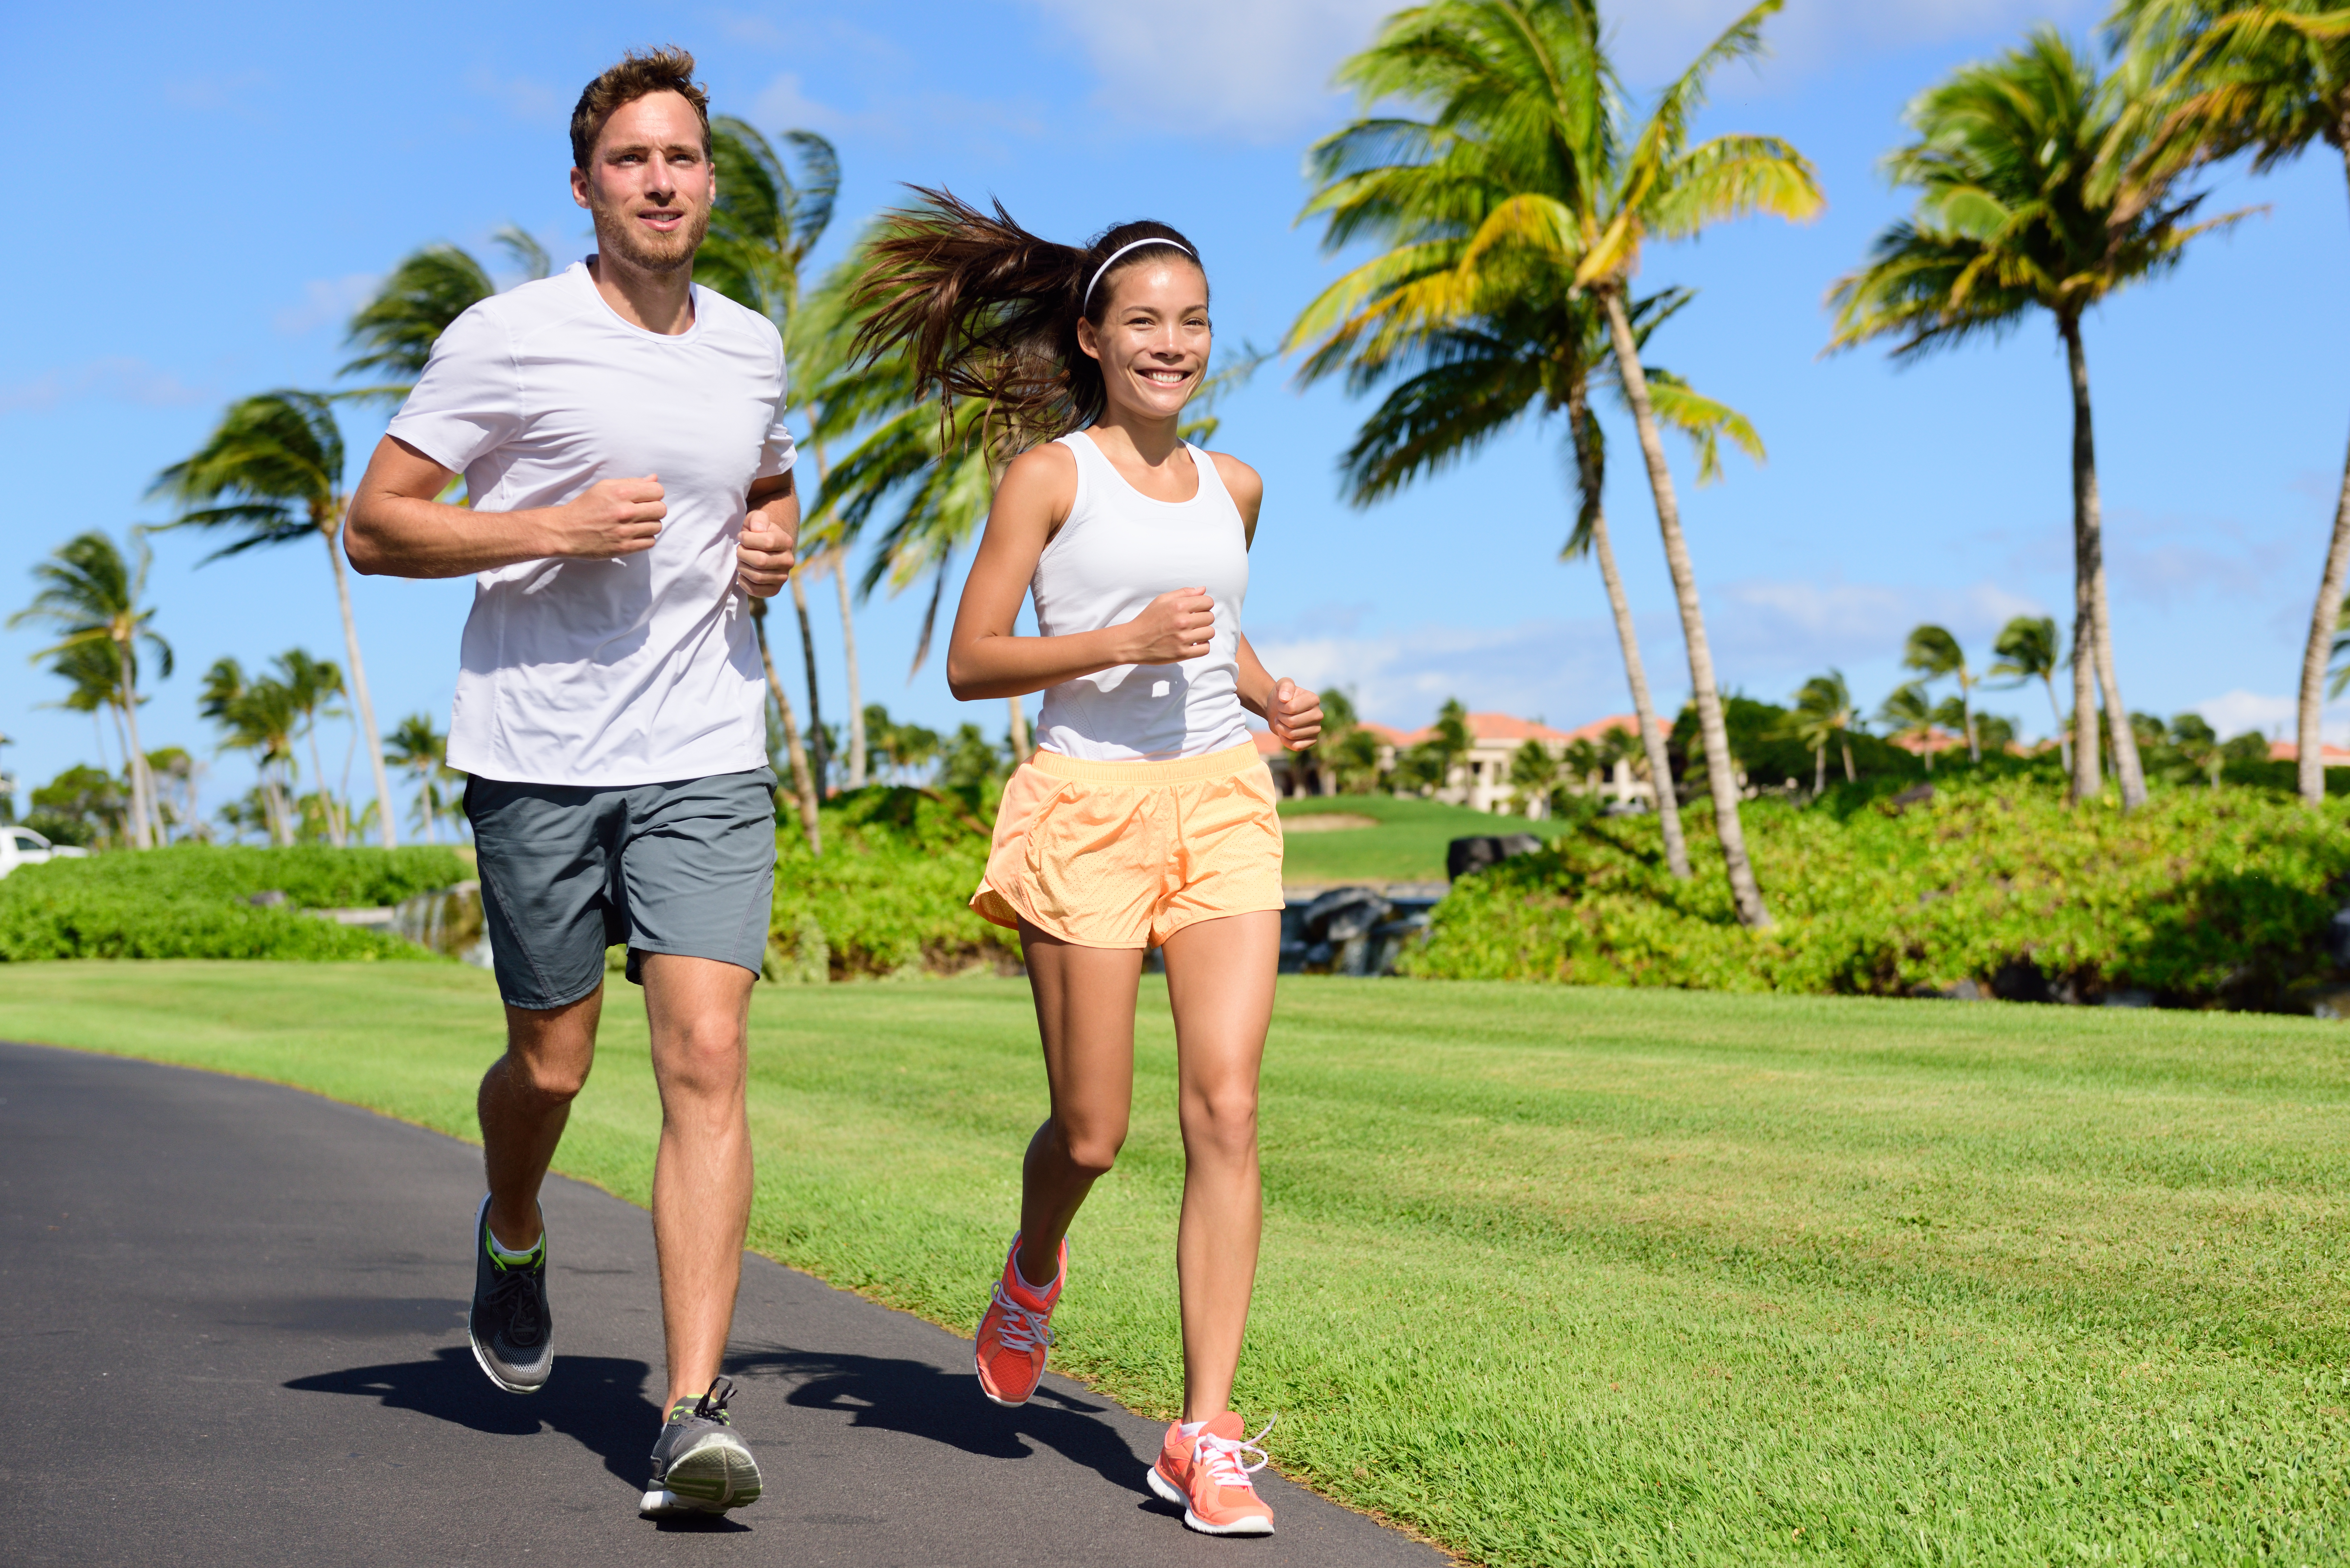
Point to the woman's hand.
(1295, 714)
(1176, 626)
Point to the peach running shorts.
(1125, 854)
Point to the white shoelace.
(1223, 1456)
(1022, 1329)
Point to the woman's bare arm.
(985, 659)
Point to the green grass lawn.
(1557, 1275)
(1407, 845)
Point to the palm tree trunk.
(2123, 734)
(1967, 701)
(326, 797)
(2088, 776)
(385, 823)
(1849, 775)
(128, 720)
(2064, 730)
(803, 782)
(2309, 767)
(1820, 770)
(143, 788)
(1017, 733)
(856, 756)
(858, 762)
(1628, 639)
(1721, 775)
(822, 761)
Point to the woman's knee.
(1221, 1119)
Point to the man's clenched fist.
(764, 556)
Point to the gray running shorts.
(568, 870)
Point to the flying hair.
(986, 310)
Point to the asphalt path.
(232, 1330)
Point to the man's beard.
(645, 249)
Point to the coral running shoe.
(1016, 1332)
(1204, 1477)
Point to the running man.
(621, 436)
(1146, 818)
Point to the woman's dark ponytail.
(985, 310)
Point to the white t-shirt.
(637, 671)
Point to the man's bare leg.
(699, 1012)
(526, 1100)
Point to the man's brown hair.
(637, 76)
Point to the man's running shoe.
(513, 1332)
(1205, 1478)
(699, 1466)
(1016, 1333)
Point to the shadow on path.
(915, 1398)
(597, 1401)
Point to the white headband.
(1131, 245)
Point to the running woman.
(621, 435)
(1146, 817)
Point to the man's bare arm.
(770, 534)
(398, 527)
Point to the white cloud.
(1657, 38)
(1261, 67)
(782, 103)
(1764, 629)
(121, 377)
(1566, 671)
(2275, 717)
(235, 93)
(325, 299)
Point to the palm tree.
(273, 469)
(2013, 214)
(417, 747)
(1933, 653)
(427, 291)
(1584, 189)
(764, 222)
(2027, 650)
(2271, 77)
(1824, 712)
(259, 716)
(90, 597)
(1477, 352)
(1911, 714)
(313, 685)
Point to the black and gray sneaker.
(699, 1466)
(512, 1331)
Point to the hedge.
(2201, 898)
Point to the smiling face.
(1154, 338)
(649, 184)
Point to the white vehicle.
(23, 846)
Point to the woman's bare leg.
(1220, 981)
(1084, 1011)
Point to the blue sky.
(252, 170)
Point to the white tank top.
(1120, 550)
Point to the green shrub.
(891, 893)
(2201, 898)
(189, 901)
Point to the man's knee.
(702, 1052)
(553, 1076)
